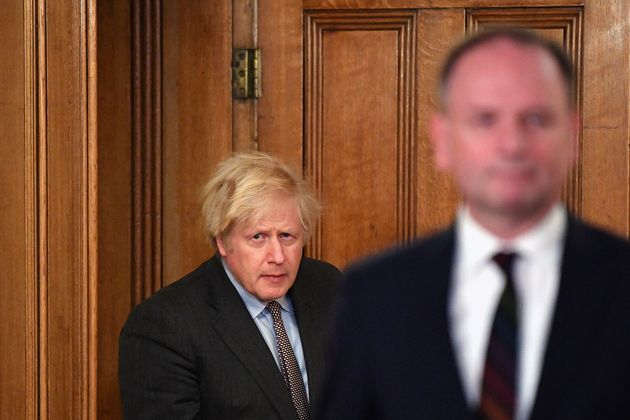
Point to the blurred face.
(508, 134)
(265, 256)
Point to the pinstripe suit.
(193, 350)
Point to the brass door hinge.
(246, 73)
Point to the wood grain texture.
(67, 232)
(606, 121)
(42, 399)
(279, 118)
(360, 129)
(437, 197)
(17, 184)
(146, 122)
(428, 4)
(31, 219)
(89, 330)
(197, 121)
(115, 278)
(245, 112)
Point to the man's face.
(508, 134)
(265, 256)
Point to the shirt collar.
(476, 245)
(547, 234)
(254, 305)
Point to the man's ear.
(221, 245)
(439, 134)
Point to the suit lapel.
(577, 314)
(310, 326)
(233, 323)
(434, 316)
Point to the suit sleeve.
(157, 373)
(346, 393)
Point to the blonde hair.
(240, 186)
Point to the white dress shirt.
(264, 321)
(477, 287)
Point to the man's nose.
(512, 138)
(276, 251)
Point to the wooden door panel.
(436, 196)
(359, 131)
(370, 164)
(606, 115)
(435, 4)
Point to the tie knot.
(274, 307)
(505, 260)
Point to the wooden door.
(348, 89)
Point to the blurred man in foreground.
(518, 310)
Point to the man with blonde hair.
(242, 335)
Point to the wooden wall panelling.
(197, 123)
(115, 276)
(606, 116)
(564, 26)
(435, 4)
(436, 195)
(18, 246)
(146, 112)
(360, 129)
(68, 278)
(32, 238)
(245, 111)
(279, 121)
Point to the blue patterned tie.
(498, 392)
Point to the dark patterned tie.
(498, 392)
(288, 363)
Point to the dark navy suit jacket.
(193, 351)
(392, 355)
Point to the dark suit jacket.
(392, 355)
(193, 351)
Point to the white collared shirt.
(478, 284)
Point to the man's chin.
(273, 293)
(521, 208)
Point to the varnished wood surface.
(67, 350)
(17, 246)
(279, 110)
(244, 112)
(146, 141)
(360, 129)
(197, 120)
(606, 125)
(115, 274)
(49, 221)
(435, 194)
(428, 4)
